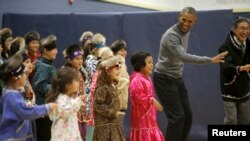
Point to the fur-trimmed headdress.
(99, 40)
(87, 35)
(105, 52)
(17, 44)
(49, 42)
(31, 36)
(118, 45)
(111, 62)
(5, 33)
(72, 51)
(12, 68)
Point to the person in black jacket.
(234, 73)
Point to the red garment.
(144, 125)
(32, 59)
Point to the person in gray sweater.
(168, 81)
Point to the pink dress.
(144, 125)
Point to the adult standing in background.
(168, 81)
(234, 76)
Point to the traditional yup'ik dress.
(144, 125)
(16, 116)
(106, 105)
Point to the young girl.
(91, 52)
(17, 47)
(65, 124)
(106, 103)
(28, 93)
(32, 41)
(73, 55)
(144, 105)
(119, 47)
(15, 113)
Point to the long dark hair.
(64, 76)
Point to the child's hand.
(157, 105)
(29, 104)
(119, 113)
(53, 106)
(83, 97)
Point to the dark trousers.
(173, 96)
(43, 126)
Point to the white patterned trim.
(231, 82)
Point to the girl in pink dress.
(144, 125)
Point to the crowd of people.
(86, 99)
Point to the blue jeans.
(174, 98)
(236, 112)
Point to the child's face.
(73, 87)
(122, 52)
(21, 80)
(77, 62)
(28, 66)
(149, 66)
(33, 46)
(114, 73)
(51, 54)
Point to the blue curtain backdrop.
(143, 31)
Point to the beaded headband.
(18, 71)
(75, 54)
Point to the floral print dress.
(65, 123)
